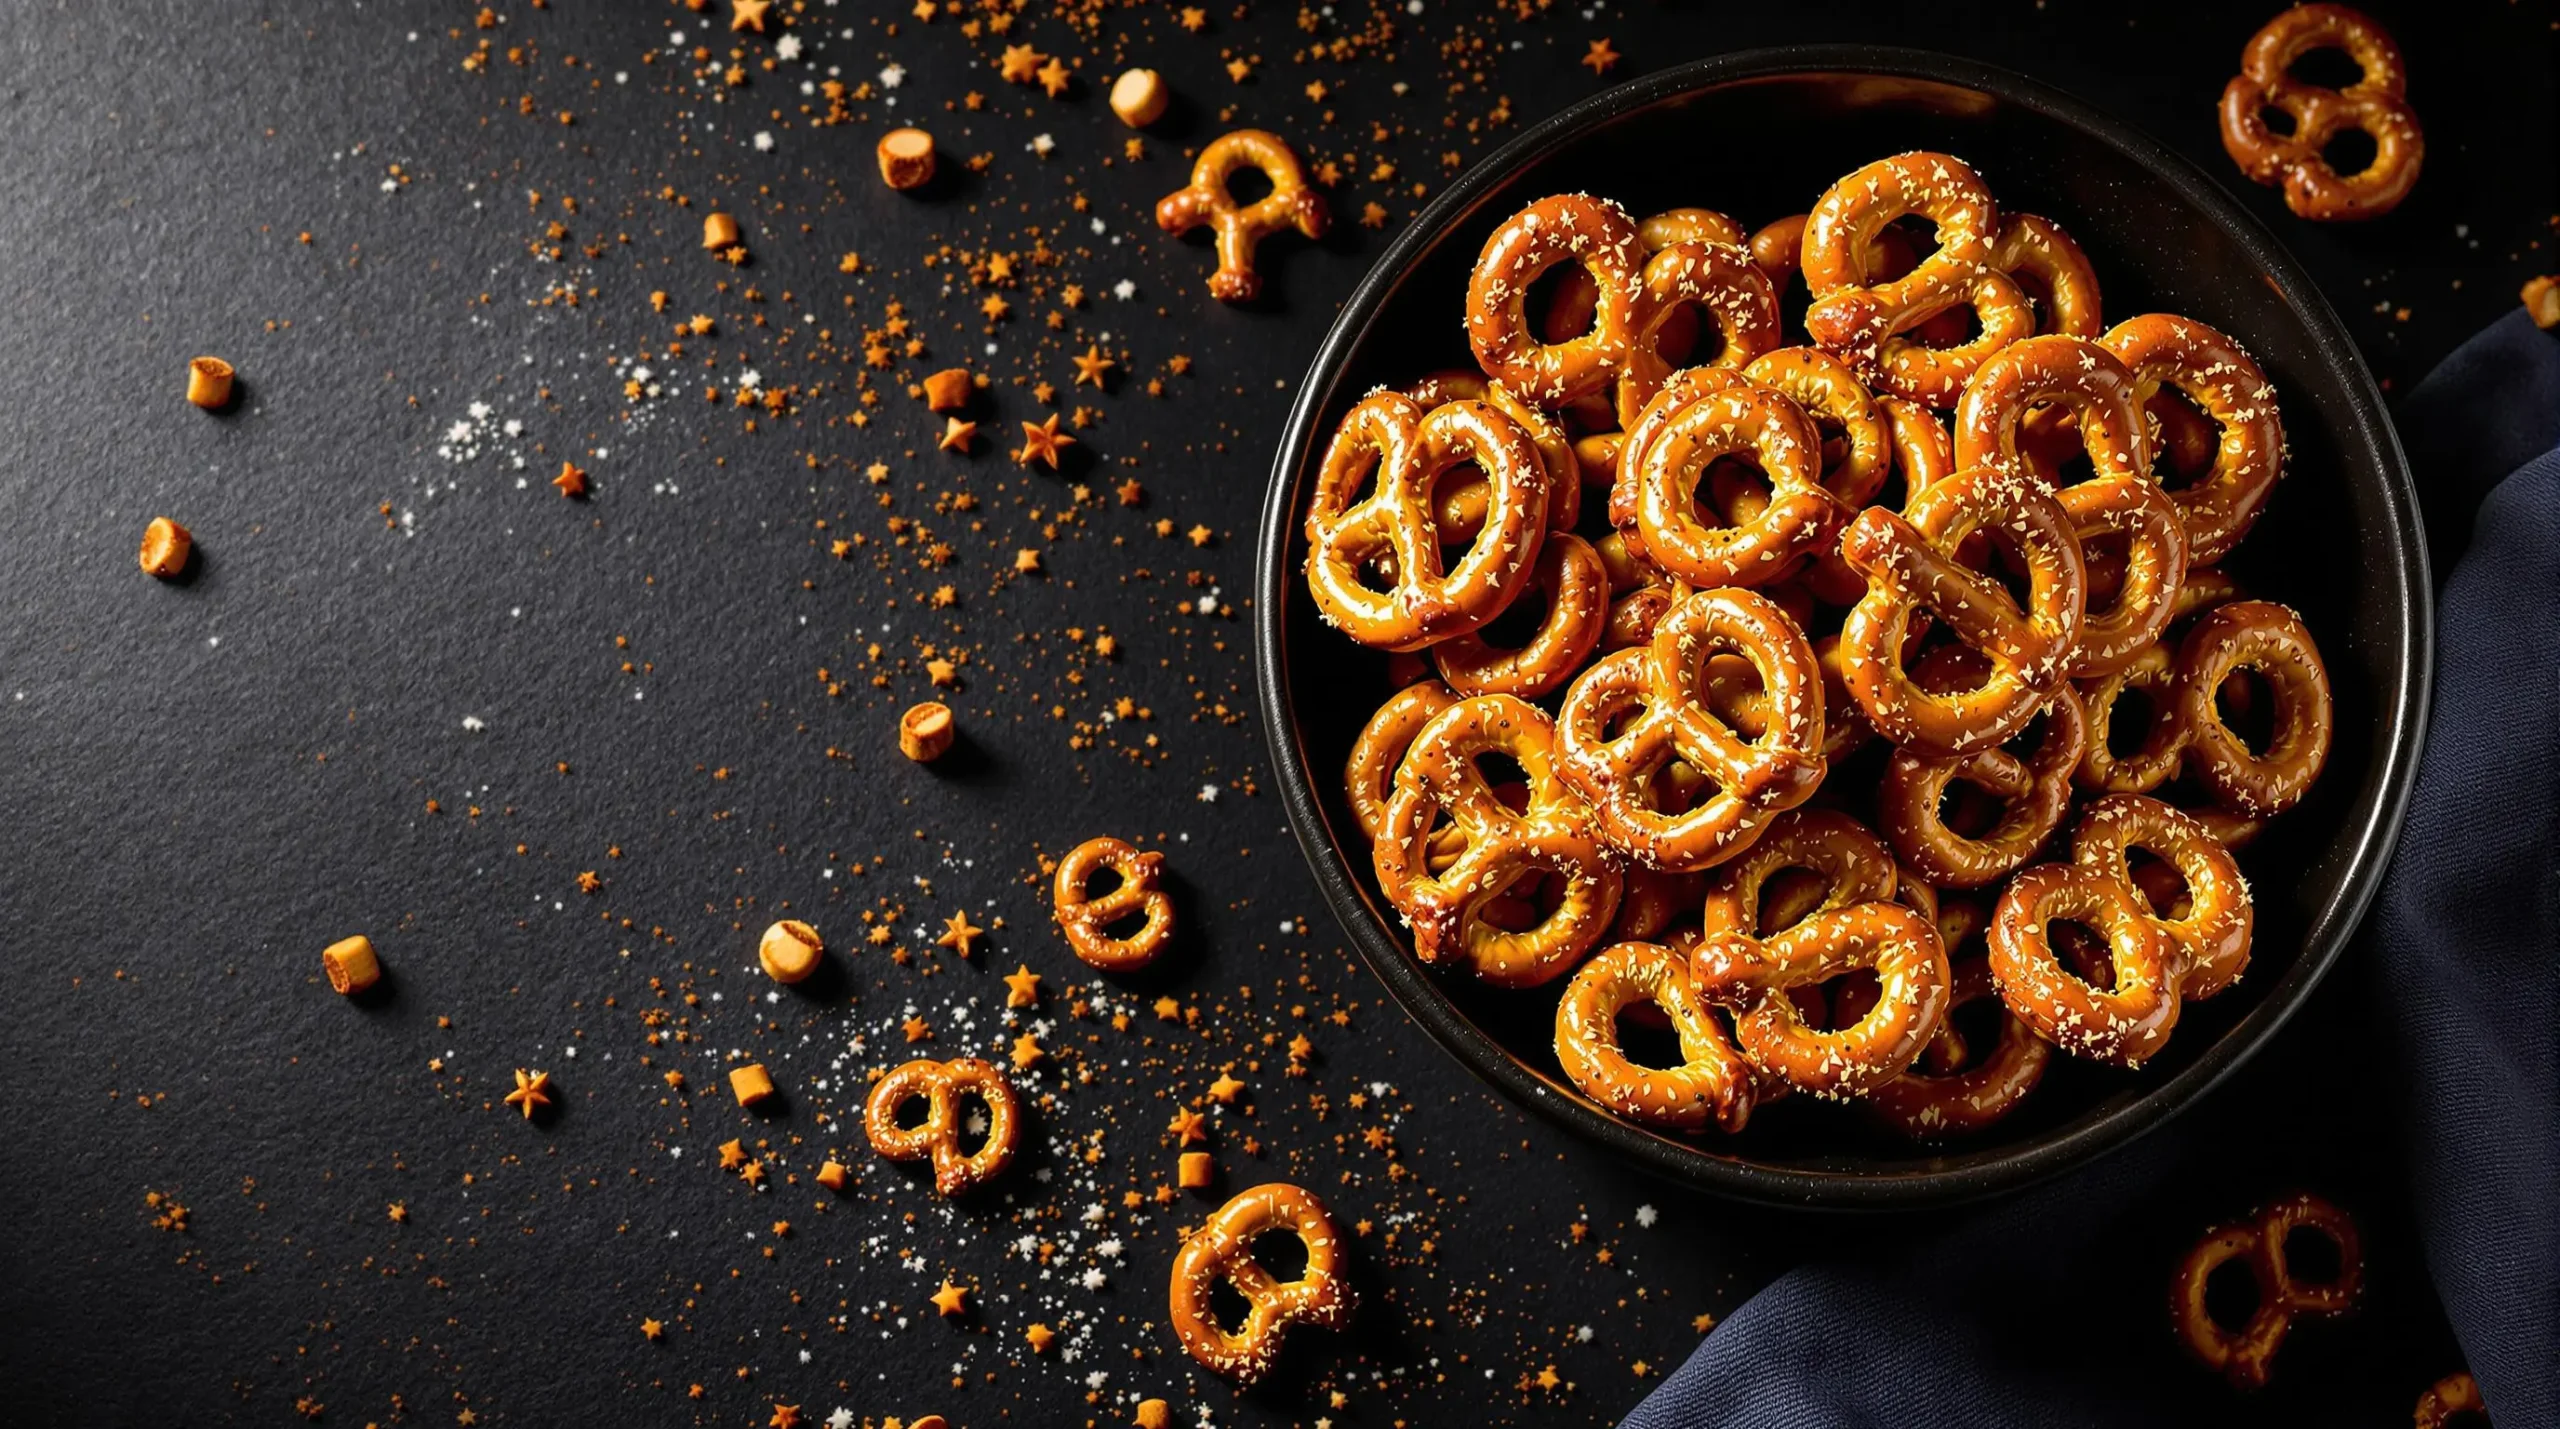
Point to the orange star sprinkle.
(956, 435)
(572, 481)
(1091, 366)
(745, 15)
(951, 1300)
(1053, 78)
(1026, 561)
(785, 1416)
(1188, 1126)
(1039, 1335)
(652, 1329)
(916, 1030)
(1026, 1051)
(1022, 987)
(1225, 1088)
(958, 933)
(1021, 64)
(1602, 58)
(532, 1093)
(1042, 443)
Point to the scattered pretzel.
(2244, 1356)
(2154, 674)
(2271, 640)
(1222, 1249)
(1852, 864)
(942, 1084)
(1290, 204)
(1753, 976)
(1712, 1083)
(2454, 1394)
(2213, 928)
(1700, 415)
(2376, 103)
(1662, 686)
(1910, 566)
(1391, 438)
(1561, 228)
(1548, 834)
(2219, 506)
(2057, 276)
(2122, 1024)
(1087, 921)
(1576, 588)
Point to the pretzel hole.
(2350, 152)
(1129, 925)
(1734, 493)
(2245, 703)
(2231, 1294)
(1945, 328)
(1248, 186)
(1975, 1026)
(1685, 338)
(1967, 810)
(1282, 1253)
(2312, 1257)
(2129, 721)
(2279, 122)
(1519, 622)
(2083, 949)
(1852, 995)
(1901, 246)
(2328, 66)
(976, 1124)
(1788, 897)
(2162, 887)
(1227, 1306)
(911, 1112)
(1648, 1041)
(1566, 299)
(2184, 439)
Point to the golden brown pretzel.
(2123, 1024)
(1577, 298)
(1222, 1250)
(2147, 574)
(2056, 274)
(2033, 795)
(1753, 976)
(2218, 507)
(1549, 834)
(1909, 565)
(1577, 599)
(1830, 393)
(1702, 414)
(1656, 701)
(942, 1084)
(2153, 673)
(2454, 1394)
(1849, 865)
(1369, 775)
(1858, 315)
(1712, 1082)
(1557, 229)
(1947, 1092)
(2213, 927)
(2244, 1356)
(2076, 374)
(1713, 279)
(1389, 437)
(1461, 498)
(2271, 640)
(2376, 103)
(1290, 204)
(1087, 921)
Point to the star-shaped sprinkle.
(1053, 78)
(1601, 58)
(1548, 1378)
(916, 1030)
(956, 435)
(1194, 19)
(745, 15)
(925, 12)
(951, 1300)
(1021, 64)
(1188, 1126)
(1225, 1088)
(785, 1416)
(1131, 493)
(1168, 1010)
(652, 1329)
(1091, 365)
(1039, 1335)
(1026, 561)
(532, 1093)
(1026, 1051)
(752, 1173)
(572, 480)
(1042, 443)
(399, 1212)
(959, 934)
(733, 1154)
(1022, 987)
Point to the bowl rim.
(2371, 831)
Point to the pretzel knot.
(2376, 103)
(2244, 1356)
(1848, 864)
(1633, 713)
(1453, 909)
(1712, 1083)
(1087, 921)
(1461, 500)
(1949, 1092)
(1222, 1249)
(1290, 204)
(1392, 534)
(942, 1084)
(2031, 794)
(2213, 927)
(2218, 506)
(1753, 975)
(2123, 1023)
(1714, 279)
(2271, 640)
(1701, 415)
(1860, 315)
(1910, 565)
(1557, 229)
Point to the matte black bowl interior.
(2342, 543)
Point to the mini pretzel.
(2270, 639)
(1290, 204)
(1712, 1082)
(942, 1084)
(1826, 388)
(1577, 599)
(2213, 928)
(1700, 415)
(2154, 568)
(1910, 565)
(2376, 103)
(1753, 975)
(1716, 279)
(2218, 507)
(1391, 438)
(1577, 297)
(1222, 1249)
(2123, 1024)
(1087, 921)
(1656, 698)
(1461, 499)
(2454, 1394)
(2153, 672)
(1548, 834)
(2244, 1356)
(2034, 794)
(1855, 313)
(1560, 228)
(1369, 775)
(2073, 373)
(1946, 1093)
(1853, 866)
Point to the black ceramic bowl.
(1759, 135)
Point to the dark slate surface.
(211, 779)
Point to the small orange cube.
(751, 1083)
(351, 964)
(1197, 1170)
(833, 1175)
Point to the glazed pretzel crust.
(1222, 1249)
(1290, 204)
(2376, 103)
(942, 1084)
(1712, 1084)
(1086, 921)
(2245, 1356)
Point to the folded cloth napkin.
(2050, 1309)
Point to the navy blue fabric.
(2049, 1309)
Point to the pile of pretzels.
(1963, 523)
